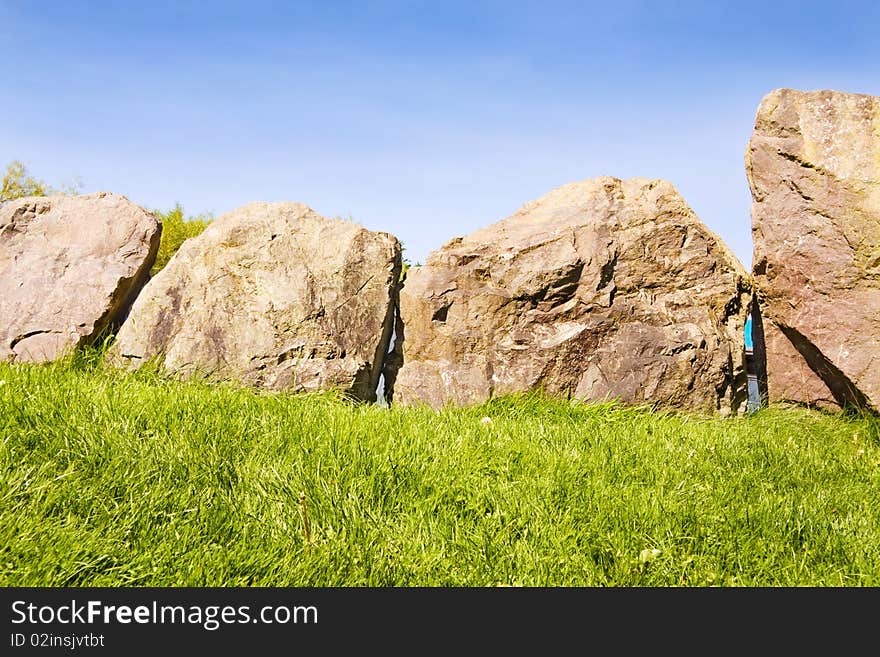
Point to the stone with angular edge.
(271, 295)
(602, 289)
(813, 164)
(70, 267)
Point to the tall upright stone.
(813, 164)
(602, 289)
(70, 267)
(271, 295)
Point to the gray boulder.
(602, 289)
(813, 164)
(274, 296)
(70, 267)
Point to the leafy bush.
(175, 230)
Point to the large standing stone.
(271, 295)
(603, 289)
(69, 269)
(814, 169)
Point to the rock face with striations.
(814, 169)
(602, 289)
(272, 295)
(70, 267)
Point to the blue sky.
(428, 120)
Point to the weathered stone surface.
(272, 295)
(69, 269)
(602, 289)
(814, 169)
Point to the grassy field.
(110, 479)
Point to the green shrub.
(175, 230)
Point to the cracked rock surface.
(70, 267)
(602, 289)
(813, 164)
(272, 295)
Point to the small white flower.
(647, 555)
(486, 420)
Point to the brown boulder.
(813, 164)
(602, 289)
(70, 267)
(271, 295)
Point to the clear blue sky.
(428, 120)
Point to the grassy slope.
(120, 480)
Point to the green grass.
(111, 479)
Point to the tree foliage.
(176, 228)
(18, 183)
